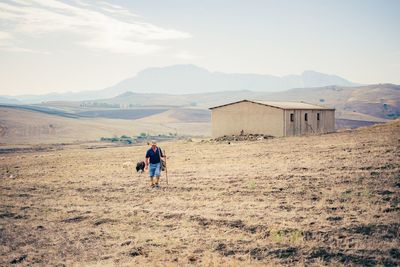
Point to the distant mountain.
(8, 100)
(189, 79)
(185, 79)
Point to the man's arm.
(162, 153)
(147, 163)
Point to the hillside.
(379, 100)
(20, 126)
(373, 103)
(182, 114)
(322, 200)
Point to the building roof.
(281, 105)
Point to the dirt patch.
(385, 231)
(234, 224)
(11, 215)
(19, 259)
(224, 250)
(104, 221)
(259, 253)
(75, 219)
(395, 253)
(138, 251)
(285, 253)
(342, 257)
(335, 218)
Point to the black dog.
(140, 166)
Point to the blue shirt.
(154, 156)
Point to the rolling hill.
(181, 114)
(379, 102)
(22, 126)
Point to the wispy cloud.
(111, 5)
(5, 36)
(100, 27)
(7, 43)
(185, 55)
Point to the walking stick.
(166, 168)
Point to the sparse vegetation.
(99, 105)
(286, 236)
(122, 139)
(125, 139)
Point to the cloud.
(10, 48)
(7, 43)
(185, 55)
(111, 5)
(100, 27)
(5, 36)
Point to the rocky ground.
(243, 137)
(316, 200)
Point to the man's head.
(153, 144)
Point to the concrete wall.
(249, 117)
(299, 126)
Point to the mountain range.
(184, 79)
(190, 79)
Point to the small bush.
(287, 235)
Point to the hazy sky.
(56, 46)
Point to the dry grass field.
(317, 200)
(31, 127)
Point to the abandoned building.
(271, 118)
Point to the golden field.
(329, 199)
(31, 127)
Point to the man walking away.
(154, 155)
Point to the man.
(154, 166)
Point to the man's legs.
(158, 174)
(152, 170)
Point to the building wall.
(250, 117)
(300, 127)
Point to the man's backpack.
(163, 163)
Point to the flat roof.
(281, 105)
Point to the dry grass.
(31, 127)
(317, 200)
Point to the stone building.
(271, 118)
